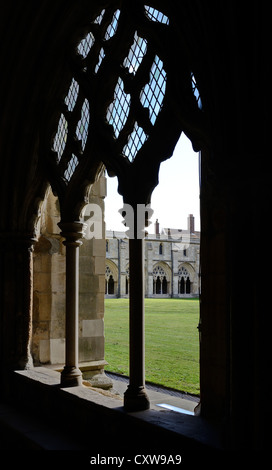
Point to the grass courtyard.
(171, 339)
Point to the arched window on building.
(184, 282)
(160, 284)
(161, 249)
(109, 282)
(127, 281)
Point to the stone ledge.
(83, 366)
(95, 416)
(93, 365)
(92, 371)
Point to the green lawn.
(171, 337)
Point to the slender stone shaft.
(72, 232)
(135, 397)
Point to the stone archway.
(186, 280)
(111, 278)
(161, 279)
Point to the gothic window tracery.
(109, 282)
(76, 117)
(184, 282)
(196, 92)
(160, 285)
(156, 15)
(116, 95)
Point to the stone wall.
(48, 344)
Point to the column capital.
(73, 232)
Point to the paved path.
(159, 395)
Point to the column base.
(94, 373)
(136, 399)
(70, 377)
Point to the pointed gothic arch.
(111, 278)
(186, 275)
(212, 39)
(121, 97)
(127, 112)
(161, 279)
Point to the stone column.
(135, 398)
(72, 232)
(16, 256)
(27, 246)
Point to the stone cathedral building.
(171, 262)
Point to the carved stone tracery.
(122, 95)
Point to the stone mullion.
(135, 397)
